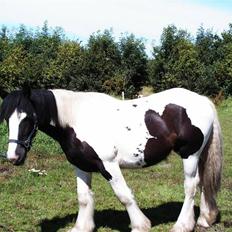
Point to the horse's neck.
(66, 104)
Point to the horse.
(99, 133)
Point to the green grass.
(29, 202)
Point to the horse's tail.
(210, 165)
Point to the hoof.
(202, 222)
(181, 228)
(145, 226)
(73, 230)
(76, 229)
(207, 220)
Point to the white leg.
(208, 211)
(139, 221)
(186, 220)
(85, 222)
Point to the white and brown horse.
(99, 133)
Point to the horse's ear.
(1, 118)
(3, 93)
(1, 115)
(26, 90)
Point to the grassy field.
(47, 203)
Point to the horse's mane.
(40, 101)
(45, 106)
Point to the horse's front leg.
(139, 222)
(85, 221)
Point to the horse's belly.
(131, 162)
(130, 149)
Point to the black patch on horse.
(78, 153)
(171, 131)
(81, 154)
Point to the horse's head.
(18, 111)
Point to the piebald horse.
(99, 133)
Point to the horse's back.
(199, 108)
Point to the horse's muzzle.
(14, 160)
(17, 160)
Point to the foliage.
(47, 59)
(102, 60)
(175, 63)
(134, 63)
(202, 64)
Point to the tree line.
(46, 58)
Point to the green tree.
(12, 68)
(66, 70)
(41, 52)
(134, 64)
(4, 43)
(173, 62)
(207, 45)
(223, 66)
(102, 60)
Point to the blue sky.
(144, 18)
(223, 4)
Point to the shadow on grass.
(119, 220)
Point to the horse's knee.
(85, 199)
(125, 197)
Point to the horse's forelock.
(15, 100)
(8, 106)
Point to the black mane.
(41, 102)
(45, 106)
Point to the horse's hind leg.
(139, 221)
(210, 169)
(85, 222)
(208, 211)
(186, 219)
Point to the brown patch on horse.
(171, 131)
(158, 147)
(79, 153)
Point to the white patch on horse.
(14, 122)
(52, 123)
